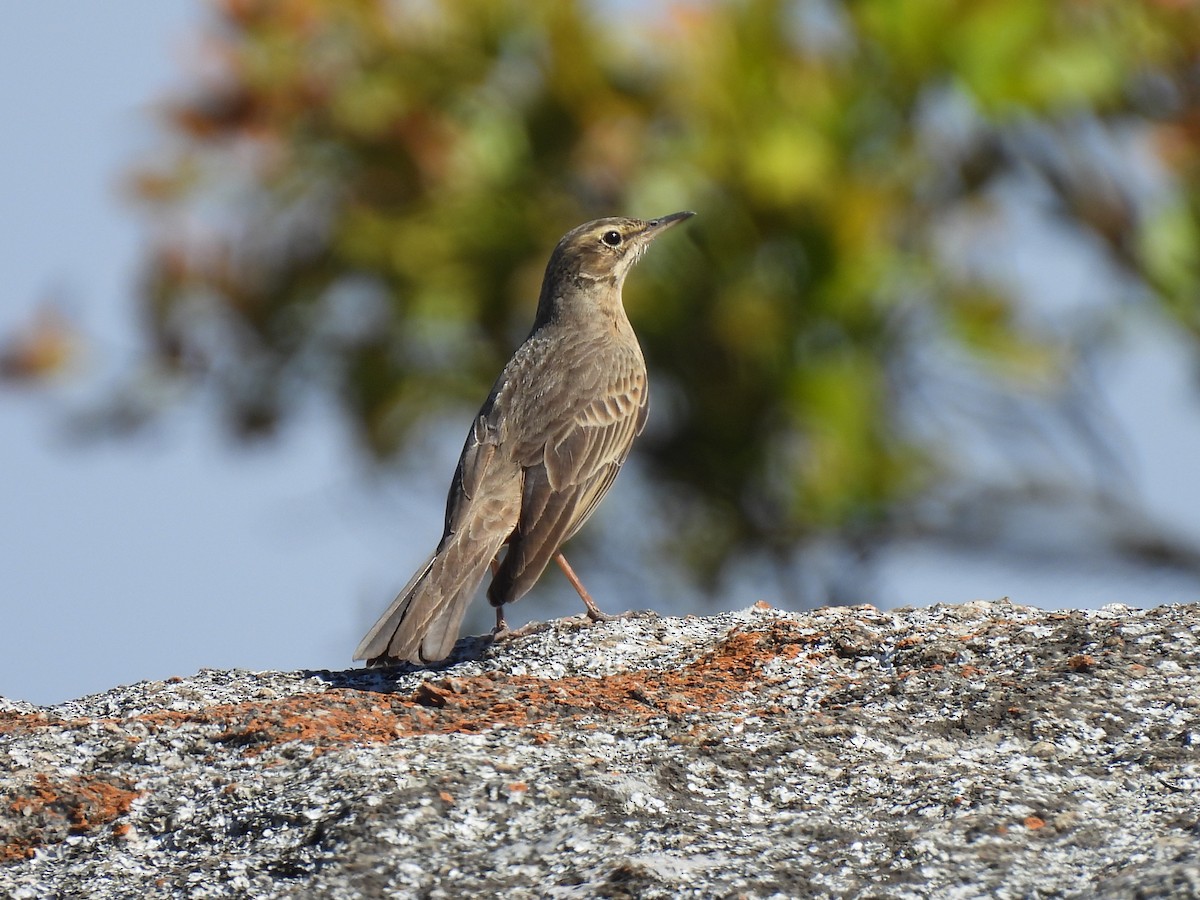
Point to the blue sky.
(151, 557)
(146, 558)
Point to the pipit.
(543, 450)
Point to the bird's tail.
(422, 623)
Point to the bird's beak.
(655, 227)
(641, 240)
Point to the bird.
(542, 451)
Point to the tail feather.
(422, 623)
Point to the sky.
(140, 559)
(156, 556)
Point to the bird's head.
(602, 252)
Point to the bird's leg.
(501, 625)
(593, 611)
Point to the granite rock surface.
(982, 750)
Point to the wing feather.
(569, 466)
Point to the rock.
(984, 750)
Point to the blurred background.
(931, 338)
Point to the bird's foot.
(593, 615)
(504, 633)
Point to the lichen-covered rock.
(985, 750)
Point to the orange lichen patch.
(482, 702)
(1081, 662)
(21, 723)
(46, 810)
(1033, 823)
(714, 682)
(496, 700)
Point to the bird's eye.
(612, 238)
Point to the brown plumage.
(544, 449)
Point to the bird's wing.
(599, 434)
(568, 469)
(477, 454)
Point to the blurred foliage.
(359, 198)
(47, 347)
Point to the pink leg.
(593, 611)
(501, 625)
